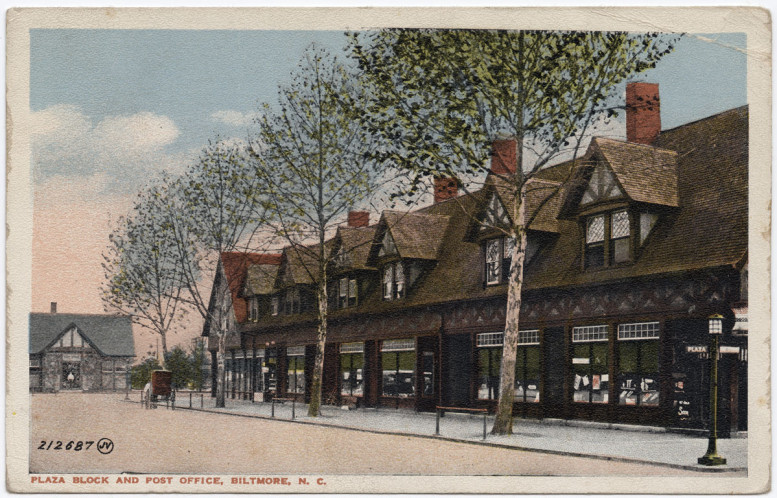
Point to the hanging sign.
(581, 361)
(729, 349)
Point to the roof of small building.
(111, 335)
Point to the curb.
(695, 468)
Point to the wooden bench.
(282, 401)
(442, 409)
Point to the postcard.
(388, 250)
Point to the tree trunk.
(503, 422)
(164, 344)
(318, 365)
(221, 371)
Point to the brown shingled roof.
(648, 174)
(261, 279)
(300, 263)
(708, 230)
(357, 242)
(416, 235)
(235, 265)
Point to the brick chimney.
(53, 307)
(445, 188)
(358, 219)
(503, 157)
(643, 113)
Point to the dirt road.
(182, 441)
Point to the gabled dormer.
(349, 273)
(405, 246)
(618, 193)
(294, 285)
(493, 222)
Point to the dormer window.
(346, 292)
(393, 281)
(293, 302)
(607, 239)
(253, 304)
(499, 254)
(274, 305)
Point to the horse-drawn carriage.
(159, 389)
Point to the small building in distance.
(79, 352)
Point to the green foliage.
(442, 96)
(142, 264)
(198, 362)
(179, 363)
(141, 374)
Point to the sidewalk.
(620, 442)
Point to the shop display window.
(295, 362)
(352, 369)
(591, 379)
(398, 368)
(638, 348)
(489, 363)
(527, 366)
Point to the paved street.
(184, 441)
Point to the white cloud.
(234, 118)
(122, 149)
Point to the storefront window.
(591, 380)
(295, 360)
(398, 365)
(527, 366)
(352, 369)
(638, 364)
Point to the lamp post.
(711, 457)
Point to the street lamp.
(711, 457)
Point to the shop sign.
(696, 349)
(729, 349)
(581, 361)
(71, 357)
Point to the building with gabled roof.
(79, 352)
(630, 249)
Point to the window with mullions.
(616, 241)
(499, 254)
(398, 368)
(254, 308)
(393, 281)
(295, 367)
(293, 304)
(589, 364)
(638, 347)
(346, 292)
(620, 231)
(527, 366)
(352, 369)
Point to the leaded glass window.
(619, 233)
(493, 261)
(388, 282)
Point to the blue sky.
(196, 85)
(111, 109)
